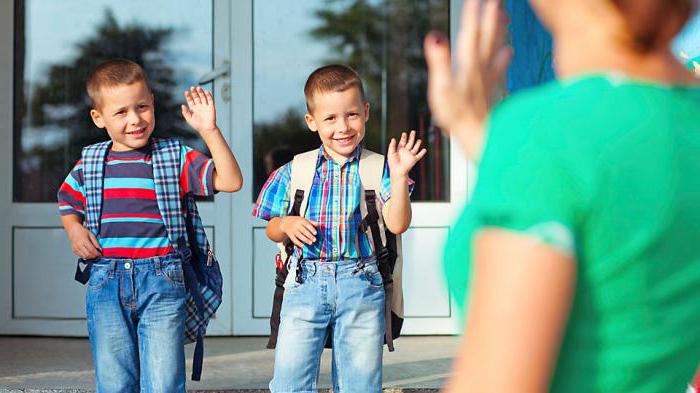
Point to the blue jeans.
(349, 298)
(136, 317)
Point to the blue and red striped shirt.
(334, 202)
(131, 225)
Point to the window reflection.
(58, 43)
(382, 40)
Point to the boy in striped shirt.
(341, 286)
(136, 294)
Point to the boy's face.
(126, 112)
(339, 117)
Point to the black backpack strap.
(281, 276)
(384, 261)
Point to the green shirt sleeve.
(528, 177)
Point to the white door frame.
(45, 216)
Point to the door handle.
(217, 72)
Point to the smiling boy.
(136, 294)
(340, 286)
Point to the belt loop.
(112, 268)
(158, 267)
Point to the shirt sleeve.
(196, 172)
(528, 180)
(71, 194)
(273, 200)
(385, 193)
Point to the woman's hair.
(654, 23)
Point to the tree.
(61, 102)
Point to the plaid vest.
(203, 277)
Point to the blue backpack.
(203, 278)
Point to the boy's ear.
(366, 111)
(310, 122)
(97, 118)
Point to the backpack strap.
(371, 174)
(93, 158)
(302, 178)
(166, 176)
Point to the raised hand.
(461, 100)
(403, 157)
(200, 112)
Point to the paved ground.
(33, 364)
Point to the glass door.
(54, 46)
(276, 45)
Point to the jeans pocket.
(174, 275)
(99, 276)
(373, 276)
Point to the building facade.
(254, 55)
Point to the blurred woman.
(577, 261)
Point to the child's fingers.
(195, 95)
(416, 147)
(94, 241)
(185, 112)
(296, 241)
(189, 99)
(421, 154)
(309, 227)
(306, 236)
(314, 223)
(402, 141)
(202, 95)
(210, 98)
(392, 146)
(411, 140)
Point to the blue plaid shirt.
(334, 202)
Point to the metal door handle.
(217, 72)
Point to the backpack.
(387, 246)
(203, 279)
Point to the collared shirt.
(334, 202)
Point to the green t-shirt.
(607, 170)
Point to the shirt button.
(127, 265)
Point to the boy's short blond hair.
(113, 73)
(334, 77)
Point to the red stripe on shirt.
(146, 159)
(156, 216)
(77, 195)
(125, 252)
(140, 193)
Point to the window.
(58, 43)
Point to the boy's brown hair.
(334, 77)
(113, 73)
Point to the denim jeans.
(347, 296)
(136, 316)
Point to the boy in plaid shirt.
(136, 291)
(341, 286)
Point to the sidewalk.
(231, 364)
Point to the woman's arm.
(518, 307)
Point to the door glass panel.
(383, 41)
(58, 43)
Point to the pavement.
(231, 364)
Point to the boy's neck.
(340, 158)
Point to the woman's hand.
(461, 99)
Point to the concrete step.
(231, 364)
